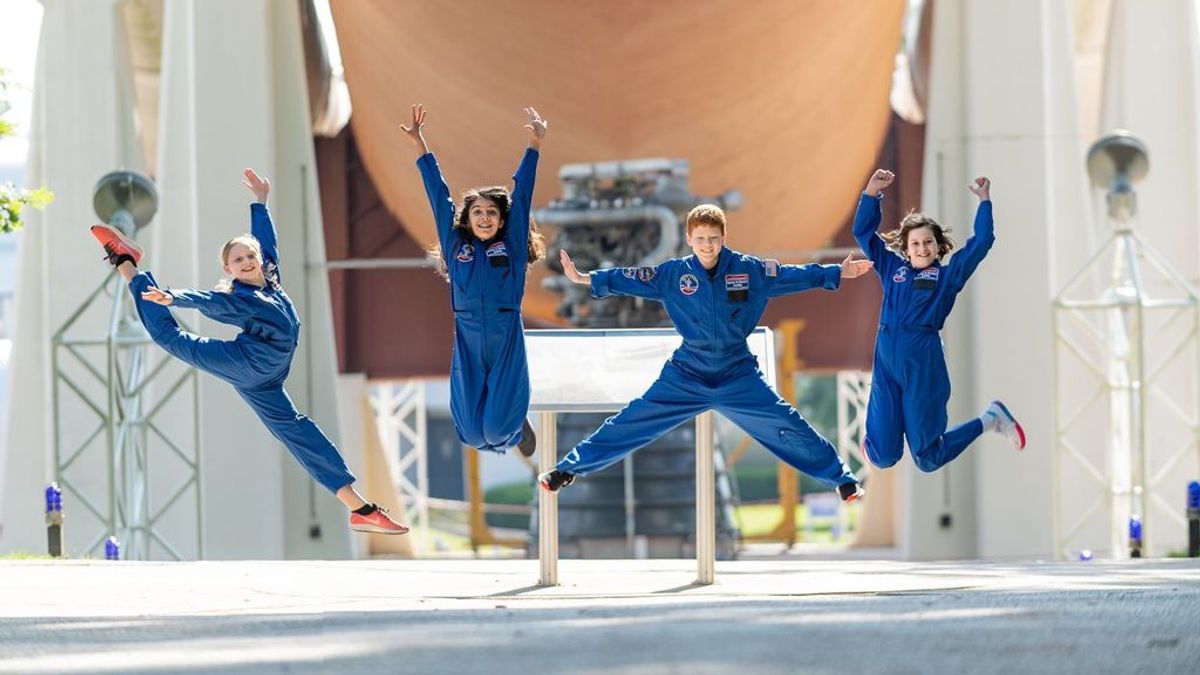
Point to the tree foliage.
(14, 200)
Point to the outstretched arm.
(222, 307)
(537, 128)
(431, 174)
(413, 130)
(157, 295)
(261, 225)
(570, 271)
(523, 182)
(963, 263)
(852, 269)
(878, 182)
(640, 282)
(868, 216)
(260, 186)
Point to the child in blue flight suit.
(715, 299)
(257, 362)
(483, 250)
(910, 385)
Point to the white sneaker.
(1005, 424)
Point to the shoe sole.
(371, 529)
(121, 238)
(1016, 424)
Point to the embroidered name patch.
(497, 254)
(466, 253)
(926, 278)
(737, 282)
(688, 284)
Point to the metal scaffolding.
(400, 415)
(106, 428)
(1127, 356)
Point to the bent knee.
(926, 465)
(882, 457)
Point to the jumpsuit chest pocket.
(737, 287)
(926, 279)
(497, 254)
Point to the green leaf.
(39, 198)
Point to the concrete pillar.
(234, 96)
(81, 130)
(1002, 105)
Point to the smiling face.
(243, 261)
(921, 247)
(706, 242)
(484, 218)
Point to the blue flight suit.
(910, 385)
(713, 369)
(489, 372)
(257, 361)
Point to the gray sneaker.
(528, 442)
(1007, 425)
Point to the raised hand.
(413, 130)
(855, 268)
(157, 295)
(880, 180)
(537, 128)
(261, 187)
(569, 269)
(981, 188)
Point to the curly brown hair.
(502, 198)
(897, 239)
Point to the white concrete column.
(234, 96)
(1002, 105)
(81, 129)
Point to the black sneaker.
(850, 492)
(552, 481)
(528, 442)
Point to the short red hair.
(706, 214)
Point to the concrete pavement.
(485, 616)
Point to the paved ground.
(465, 616)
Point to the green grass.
(759, 519)
(23, 555)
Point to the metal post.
(630, 508)
(547, 449)
(706, 522)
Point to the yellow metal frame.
(480, 532)
(787, 479)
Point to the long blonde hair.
(225, 284)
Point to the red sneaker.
(378, 522)
(116, 245)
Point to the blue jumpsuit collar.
(723, 259)
(238, 286)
